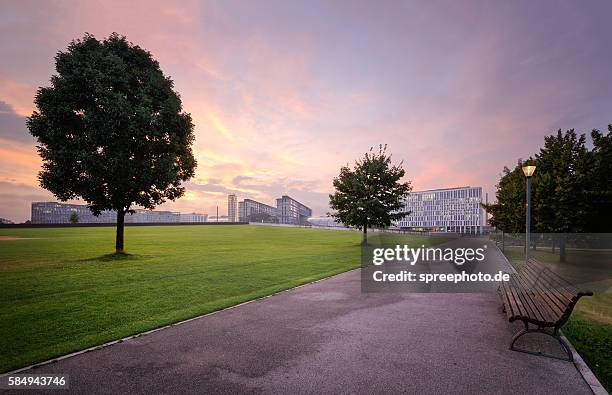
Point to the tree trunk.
(554, 242)
(120, 226)
(364, 241)
(562, 256)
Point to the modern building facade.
(193, 217)
(292, 212)
(221, 218)
(141, 216)
(288, 211)
(253, 211)
(60, 213)
(232, 208)
(445, 210)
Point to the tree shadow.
(113, 257)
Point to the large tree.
(111, 130)
(560, 181)
(570, 192)
(371, 194)
(599, 192)
(560, 204)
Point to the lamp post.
(528, 171)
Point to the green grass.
(61, 291)
(590, 326)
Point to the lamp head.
(529, 170)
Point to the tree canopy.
(572, 187)
(370, 194)
(111, 130)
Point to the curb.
(585, 371)
(121, 340)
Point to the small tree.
(371, 193)
(111, 129)
(74, 218)
(508, 212)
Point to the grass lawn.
(60, 291)
(590, 326)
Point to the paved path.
(329, 337)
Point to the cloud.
(12, 125)
(220, 126)
(15, 199)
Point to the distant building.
(445, 210)
(253, 211)
(141, 216)
(193, 217)
(328, 222)
(221, 218)
(59, 213)
(5, 221)
(292, 212)
(232, 208)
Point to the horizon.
(284, 94)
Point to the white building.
(193, 217)
(232, 208)
(60, 213)
(221, 218)
(141, 216)
(445, 210)
(292, 212)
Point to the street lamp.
(528, 171)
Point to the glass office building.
(60, 213)
(193, 217)
(253, 211)
(288, 211)
(445, 210)
(292, 212)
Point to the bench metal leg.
(554, 334)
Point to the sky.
(284, 93)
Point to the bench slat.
(539, 313)
(555, 302)
(508, 300)
(552, 278)
(558, 299)
(524, 302)
(563, 295)
(526, 296)
(512, 302)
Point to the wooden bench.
(541, 298)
